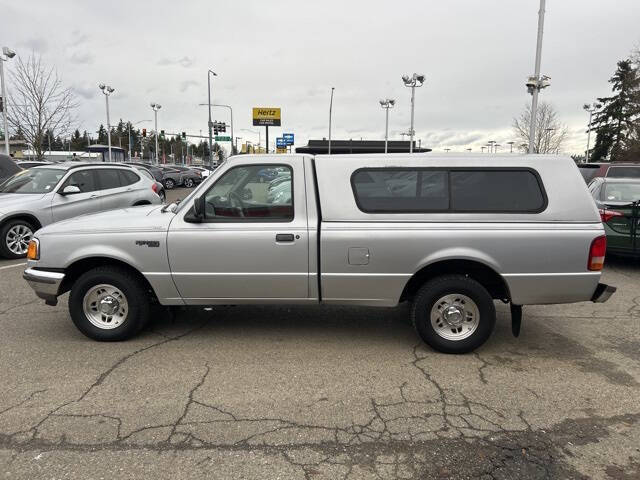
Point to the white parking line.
(12, 266)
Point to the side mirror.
(70, 190)
(198, 206)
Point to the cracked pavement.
(320, 392)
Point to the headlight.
(33, 250)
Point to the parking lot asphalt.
(320, 392)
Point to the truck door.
(252, 243)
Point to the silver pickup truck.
(450, 234)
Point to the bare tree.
(39, 103)
(550, 132)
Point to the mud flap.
(516, 319)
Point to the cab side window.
(85, 180)
(252, 193)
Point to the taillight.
(596, 253)
(606, 215)
(154, 187)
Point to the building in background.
(317, 147)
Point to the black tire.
(163, 196)
(169, 184)
(434, 290)
(4, 231)
(132, 288)
(188, 183)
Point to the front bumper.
(46, 284)
(602, 293)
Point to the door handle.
(284, 237)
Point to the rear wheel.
(15, 236)
(163, 196)
(109, 304)
(453, 314)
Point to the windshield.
(621, 192)
(34, 180)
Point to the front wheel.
(188, 183)
(15, 236)
(108, 304)
(169, 184)
(453, 314)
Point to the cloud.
(185, 61)
(184, 86)
(78, 37)
(81, 58)
(85, 92)
(37, 44)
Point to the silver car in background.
(42, 195)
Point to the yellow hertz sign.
(266, 116)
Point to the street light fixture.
(490, 144)
(590, 108)
(386, 104)
(107, 90)
(8, 53)
(416, 80)
(156, 107)
(510, 146)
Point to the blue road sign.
(288, 138)
(280, 142)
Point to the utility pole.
(535, 83)
(590, 108)
(416, 80)
(330, 113)
(107, 90)
(6, 52)
(386, 104)
(156, 107)
(209, 73)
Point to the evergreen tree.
(616, 121)
(102, 135)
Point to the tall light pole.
(416, 80)
(490, 143)
(510, 146)
(129, 133)
(386, 104)
(536, 83)
(590, 107)
(210, 124)
(330, 113)
(156, 107)
(7, 53)
(107, 90)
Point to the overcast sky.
(476, 56)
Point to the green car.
(618, 201)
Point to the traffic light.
(184, 135)
(215, 128)
(223, 127)
(162, 133)
(1, 105)
(144, 132)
